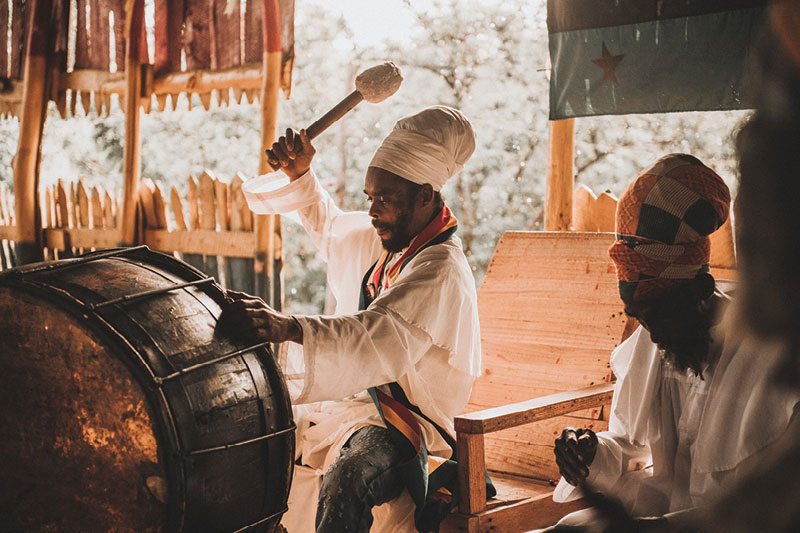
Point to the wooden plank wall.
(214, 36)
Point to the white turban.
(427, 147)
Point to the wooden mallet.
(374, 85)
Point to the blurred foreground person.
(768, 307)
(693, 404)
(376, 386)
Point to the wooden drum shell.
(122, 407)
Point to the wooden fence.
(218, 235)
(7, 229)
(211, 228)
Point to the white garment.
(422, 332)
(699, 434)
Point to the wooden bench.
(550, 316)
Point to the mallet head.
(378, 83)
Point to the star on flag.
(609, 64)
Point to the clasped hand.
(575, 450)
(250, 318)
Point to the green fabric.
(690, 63)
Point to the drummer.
(396, 361)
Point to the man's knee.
(365, 469)
(346, 475)
(362, 477)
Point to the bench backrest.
(550, 316)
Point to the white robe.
(699, 435)
(421, 332)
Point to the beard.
(399, 236)
(690, 353)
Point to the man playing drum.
(378, 383)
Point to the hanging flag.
(612, 57)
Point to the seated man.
(691, 401)
(405, 330)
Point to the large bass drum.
(124, 408)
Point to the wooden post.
(472, 475)
(36, 78)
(560, 178)
(135, 55)
(267, 227)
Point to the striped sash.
(431, 481)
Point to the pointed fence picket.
(218, 237)
(77, 221)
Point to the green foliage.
(9, 133)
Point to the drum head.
(77, 425)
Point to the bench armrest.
(542, 408)
(471, 427)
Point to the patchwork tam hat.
(663, 222)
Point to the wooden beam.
(471, 473)
(8, 233)
(201, 81)
(202, 241)
(133, 83)
(91, 80)
(34, 105)
(560, 178)
(516, 414)
(267, 227)
(532, 513)
(26, 168)
(205, 80)
(86, 238)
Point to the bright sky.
(373, 20)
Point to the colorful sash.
(437, 231)
(431, 481)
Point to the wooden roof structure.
(201, 46)
(84, 51)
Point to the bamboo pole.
(134, 41)
(36, 77)
(267, 227)
(560, 177)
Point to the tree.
(487, 58)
